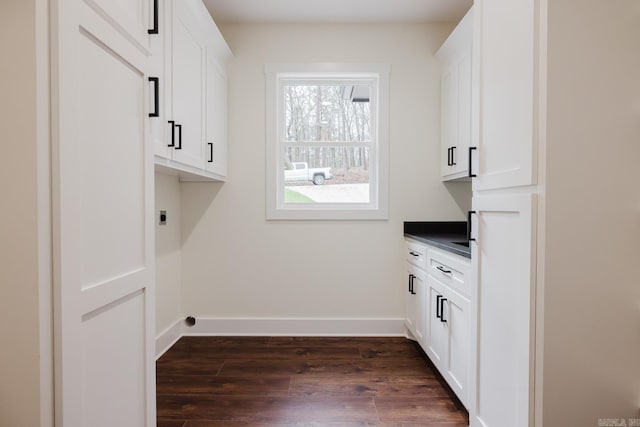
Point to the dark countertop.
(443, 235)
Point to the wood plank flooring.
(301, 381)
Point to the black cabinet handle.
(449, 156)
(156, 96)
(440, 268)
(453, 159)
(179, 146)
(210, 144)
(438, 306)
(471, 174)
(469, 238)
(413, 254)
(442, 319)
(154, 30)
(173, 133)
(411, 277)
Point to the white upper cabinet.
(193, 110)
(216, 121)
(455, 59)
(505, 108)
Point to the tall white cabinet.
(102, 214)
(504, 129)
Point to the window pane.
(326, 174)
(331, 113)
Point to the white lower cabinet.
(503, 317)
(449, 340)
(438, 314)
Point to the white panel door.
(410, 302)
(504, 51)
(456, 314)
(103, 232)
(438, 341)
(188, 94)
(419, 288)
(502, 316)
(216, 134)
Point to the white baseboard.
(168, 337)
(362, 327)
(379, 327)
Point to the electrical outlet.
(163, 217)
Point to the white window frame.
(378, 206)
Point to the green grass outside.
(291, 196)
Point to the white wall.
(592, 282)
(25, 269)
(168, 252)
(237, 264)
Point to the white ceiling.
(337, 11)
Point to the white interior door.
(502, 316)
(102, 214)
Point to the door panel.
(503, 317)
(457, 315)
(216, 116)
(132, 18)
(506, 62)
(102, 221)
(438, 330)
(112, 218)
(119, 325)
(188, 55)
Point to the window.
(327, 141)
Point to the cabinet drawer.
(451, 270)
(416, 254)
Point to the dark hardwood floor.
(285, 381)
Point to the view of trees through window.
(327, 139)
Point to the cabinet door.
(188, 96)
(216, 156)
(456, 313)
(102, 193)
(438, 340)
(420, 296)
(460, 152)
(504, 125)
(410, 302)
(502, 316)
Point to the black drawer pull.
(413, 254)
(210, 144)
(173, 133)
(471, 174)
(154, 29)
(453, 158)
(156, 96)
(440, 268)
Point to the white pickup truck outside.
(301, 172)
